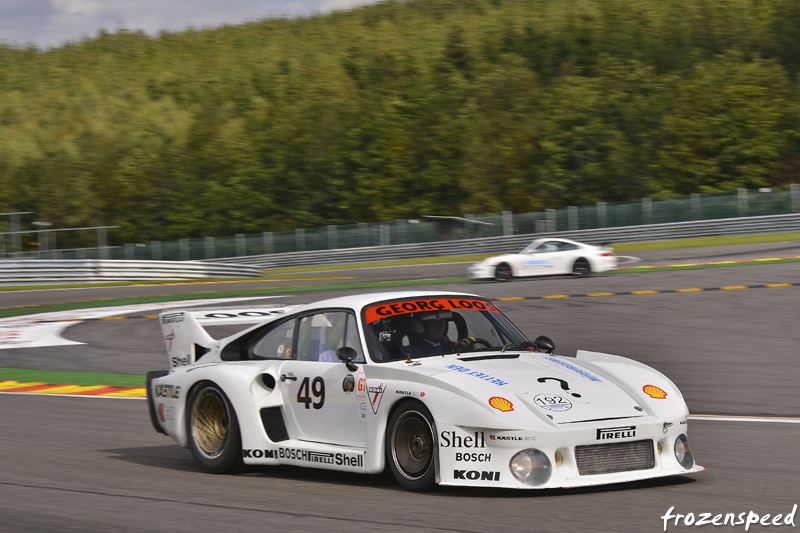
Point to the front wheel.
(503, 272)
(581, 268)
(410, 446)
(213, 430)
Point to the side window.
(277, 343)
(352, 340)
(320, 335)
(566, 247)
(547, 247)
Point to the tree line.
(400, 109)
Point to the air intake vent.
(272, 419)
(618, 457)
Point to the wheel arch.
(397, 405)
(509, 264)
(236, 464)
(585, 259)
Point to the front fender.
(640, 382)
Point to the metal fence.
(28, 271)
(513, 243)
(428, 230)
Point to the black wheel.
(410, 446)
(581, 267)
(503, 272)
(213, 430)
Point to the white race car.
(546, 257)
(437, 387)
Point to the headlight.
(683, 453)
(531, 467)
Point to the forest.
(398, 109)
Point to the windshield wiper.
(519, 346)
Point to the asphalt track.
(96, 465)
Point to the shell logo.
(654, 392)
(501, 404)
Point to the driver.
(431, 335)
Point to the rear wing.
(186, 338)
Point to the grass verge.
(56, 377)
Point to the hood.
(497, 259)
(560, 388)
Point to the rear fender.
(241, 383)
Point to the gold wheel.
(210, 422)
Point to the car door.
(563, 261)
(322, 397)
(543, 259)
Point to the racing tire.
(213, 430)
(411, 446)
(581, 268)
(503, 272)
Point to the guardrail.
(37, 271)
(654, 232)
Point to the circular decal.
(349, 383)
(281, 348)
(553, 402)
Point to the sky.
(51, 23)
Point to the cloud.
(53, 22)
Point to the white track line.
(731, 418)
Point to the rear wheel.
(581, 267)
(213, 430)
(503, 272)
(410, 446)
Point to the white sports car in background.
(545, 257)
(359, 384)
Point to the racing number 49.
(317, 388)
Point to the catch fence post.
(508, 223)
(209, 242)
(332, 237)
(241, 246)
(742, 194)
(694, 200)
(572, 217)
(155, 250)
(102, 243)
(647, 211)
(269, 245)
(601, 215)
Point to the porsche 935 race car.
(440, 388)
(546, 257)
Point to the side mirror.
(544, 344)
(346, 355)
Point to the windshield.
(424, 327)
(529, 248)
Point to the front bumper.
(480, 272)
(483, 456)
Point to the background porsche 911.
(546, 257)
(440, 388)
